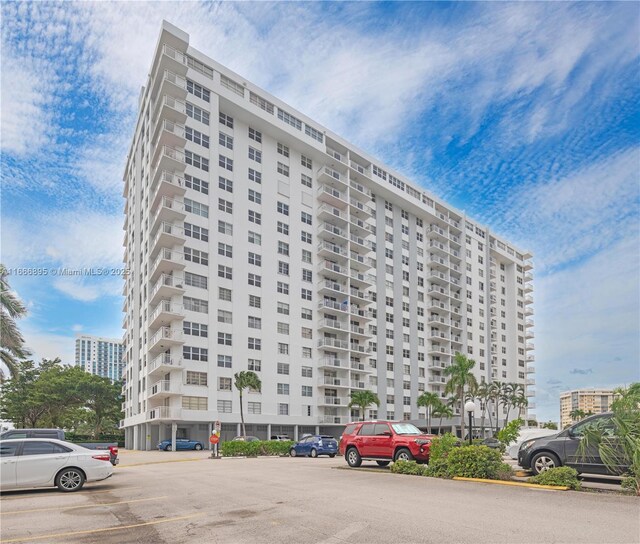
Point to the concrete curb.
(515, 484)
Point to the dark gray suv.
(563, 449)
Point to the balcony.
(165, 412)
(528, 287)
(436, 232)
(333, 401)
(332, 196)
(360, 297)
(530, 346)
(359, 191)
(531, 369)
(334, 306)
(359, 227)
(168, 133)
(531, 381)
(529, 334)
(166, 287)
(528, 299)
(167, 261)
(359, 208)
(164, 363)
(360, 262)
(332, 288)
(360, 312)
(439, 350)
(439, 334)
(169, 158)
(528, 310)
(360, 348)
(329, 232)
(356, 330)
(531, 406)
(329, 175)
(165, 338)
(165, 313)
(333, 420)
(357, 384)
(437, 380)
(528, 265)
(530, 393)
(169, 211)
(333, 324)
(438, 306)
(327, 381)
(528, 277)
(360, 279)
(530, 358)
(167, 236)
(169, 83)
(170, 108)
(332, 214)
(528, 323)
(333, 343)
(333, 362)
(164, 388)
(361, 244)
(172, 60)
(166, 184)
(332, 251)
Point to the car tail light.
(113, 450)
(102, 457)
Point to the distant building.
(100, 356)
(594, 401)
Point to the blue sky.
(525, 115)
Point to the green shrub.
(630, 484)
(474, 462)
(235, 448)
(560, 476)
(437, 468)
(505, 472)
(408, 467)
(441, 446)
(510, 432)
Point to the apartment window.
(306, 313)
(224, 384)
(255, 154)
(306, 180)
(196, 160)
(224, 361)
(283, 248)
(225, 250)
(255, 280)
(283, 150)
(195, 403)
(306, 237)
(255, 301)
(224, 294)
(225, 228)
(283, 368)
(254, 238)
(283, 268)
(225, 272)
(306, 294)
(306, 256)
(225, 205)
(306, 162)
(196, 184)
(196, 378)
(283, 288)
(283, 328)
(307, 275)
(254, 364)
(283, 308)
(224, 339)
(197, 329)
(283, 208)
(254, 343)
(255, 135)
(254, 407)
(196, 113)
(283, 169)
(255, 217)
(224, 406)
(224, 316)
(283, 228)
(307, 391)
(261, 103)
(198, 90)
(225, 162)
(283, 389)
(225, 120)
(197, 137)
(195, 354)
(255, 259)
(283, 349)
(306, 218)
(289, 119)
(255, 175)
(225, 184)
(255, 196)
(283, 409)
(306, 352)
(315, 134)
(254, 322)
(196, 256)
(195, 305)
(195, 280)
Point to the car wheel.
(543, 461)
(332, 455)
(168, 448)
(292, 452)
(70, 479)
(198, 447)
(314, 453)
(383, 463)
(353, 458)
(403, 454)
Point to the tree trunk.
(461, 396)
(497, 416)
(429, 419)
(244, 431)
(440, 427)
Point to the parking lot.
(187, 497)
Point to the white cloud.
(47, 345)
(88, 289)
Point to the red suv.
(383, 442)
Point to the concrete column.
(295, 433)
(161, 432)
(147, 437)
(136, 437)
(317, 429)
(268, 431)
(238, 429)
(210, 431)
(174, 430)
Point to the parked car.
(246, 439)
(563, 449)
(492, 443)
(280, 437)
(40, 462)
(58, 434)
(315, 445)
(523, 436)
(383, 442)
(181, 444)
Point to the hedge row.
(252, 449)
(560, 476)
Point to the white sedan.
(38, 462)
(523, 436)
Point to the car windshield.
(405, 428)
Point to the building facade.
(259, 240)
(590, 401)
(100, 356)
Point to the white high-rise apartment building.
(100, 356)
(259, 240)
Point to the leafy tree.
(18, 401)
(103, 398)
(11, 340)
(362, 400)
(577, 415)
(550, 425)
(429, 401)
(510, 432)
(460, 378)
(246, 379)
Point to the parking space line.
(66, 508)
(103, 530)
(54, 493)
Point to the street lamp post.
(470, 408)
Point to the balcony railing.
(164, 359)
(165, 412)
(333, 343)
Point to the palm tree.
(363, 399)
(483, 394)
(246, 379)
(429, 401)
(11, 340)
(460, 377)
(520, 403)
(577, 415)
(496, 395)
(509, 393)
(442, 411)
